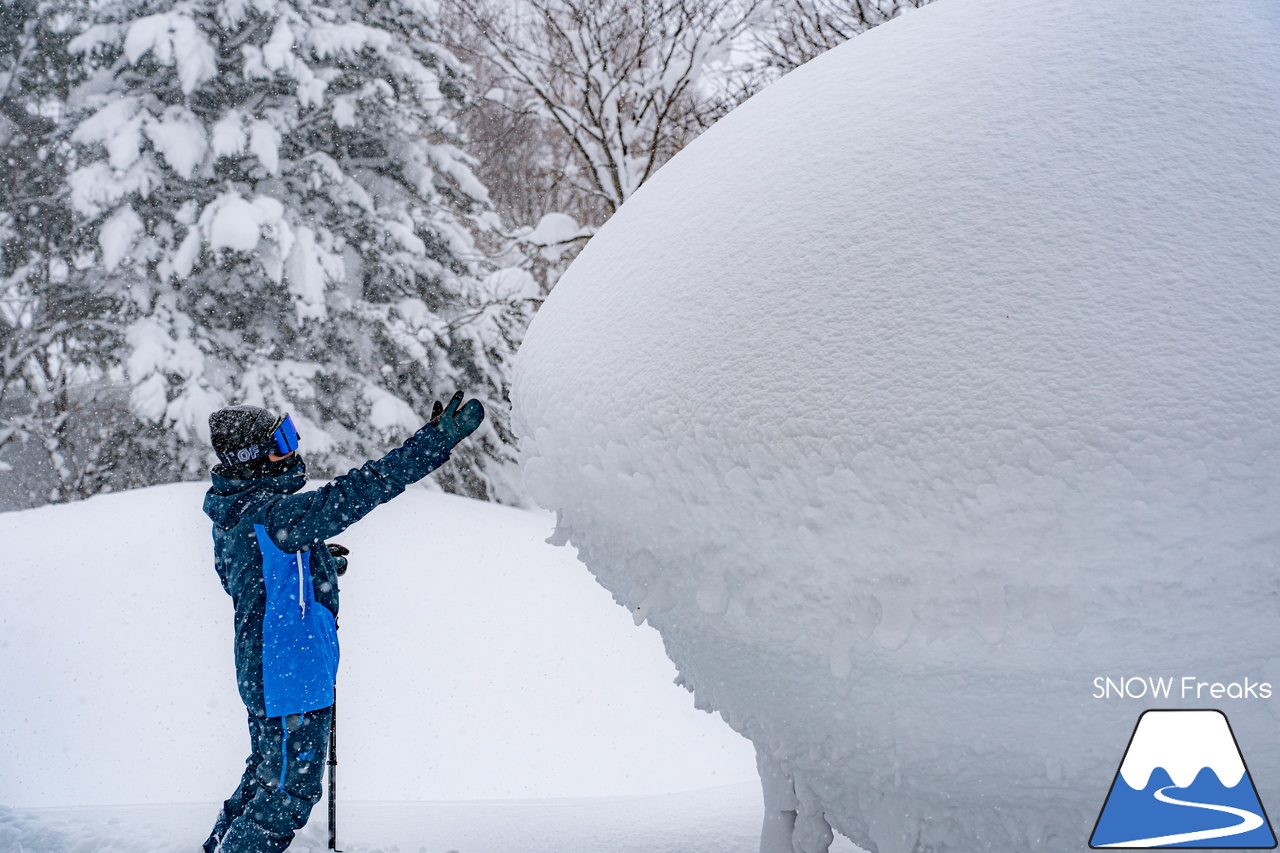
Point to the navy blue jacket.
(268, 546)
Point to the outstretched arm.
(300, 522)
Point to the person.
(270, 553)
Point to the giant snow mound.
(938, 380)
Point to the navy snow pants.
(282, 781)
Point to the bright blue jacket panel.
(261, 526)
(299, 637)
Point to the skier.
(270, 553)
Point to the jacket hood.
(228, 499)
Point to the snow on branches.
(618, 77)
(272, 180)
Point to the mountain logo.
(1183, 783)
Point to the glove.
(457, 423)
(340, 554)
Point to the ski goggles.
(284, 440)
(286, 436)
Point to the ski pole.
(333, 773)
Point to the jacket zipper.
(302, 601)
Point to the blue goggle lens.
(286, 436)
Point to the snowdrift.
(933, 383)
(478, 663)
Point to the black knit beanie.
(238, 427)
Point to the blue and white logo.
(1183, 783)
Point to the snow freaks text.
(1186, 687)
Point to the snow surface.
(725, 819)
(478, 663)
(934, 382)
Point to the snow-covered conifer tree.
(57, 337)
(279, 185)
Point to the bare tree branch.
(618, 79)
(802, 29)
